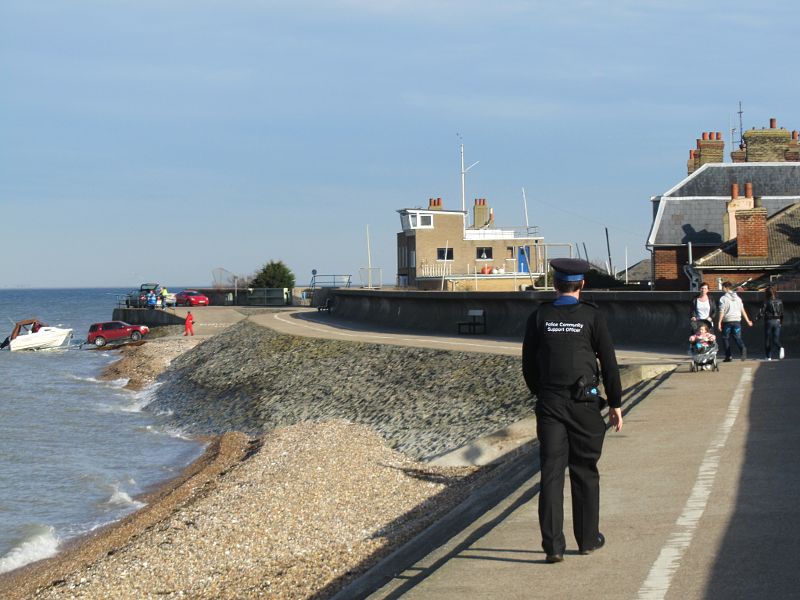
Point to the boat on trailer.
(33, 334)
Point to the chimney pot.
(795, 135)
(719, 135)
(748, 190)
(705, 135)
(773, 123)
(691, 154)
(698, 143)
(734, 191)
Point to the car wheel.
(99, 341)
(136, 336)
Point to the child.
(703, 338)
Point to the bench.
(476, 322)
(326, 306)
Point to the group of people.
(566, 352)
(729, 315)
(156, 296)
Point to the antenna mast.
(741, 130)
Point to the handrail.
(325, 281)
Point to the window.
(484, 253)
(426, 220)
(413, 217)
(440, 254)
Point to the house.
(705, 212)
(763, 249)
(438, 249)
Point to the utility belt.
(585, 390)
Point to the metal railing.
(330, 281)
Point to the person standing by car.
(731, 311)
(772, 311)
(151, 299)
(703, 308)
(188, 325)
(164, 294)
(563, 341)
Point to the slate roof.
(637, 272)
(783, 232)
(715, 179)
(694, 210)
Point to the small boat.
(32, 334)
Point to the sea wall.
(422, 401)
(146, 316)
(653, 320)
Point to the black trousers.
(570, 436)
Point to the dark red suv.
(112, 331)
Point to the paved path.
(310, 322)
(699, 500)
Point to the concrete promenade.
(699, 500)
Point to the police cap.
(569, 269)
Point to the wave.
(172, 432)
(121, 499)
(142, 398)
(114, 383)
(42, 543)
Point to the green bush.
(274, 274)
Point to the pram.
(704, 358)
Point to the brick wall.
(714, 278)
(668, 266)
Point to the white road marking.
(372, 336)
(666, 565)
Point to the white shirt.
(703, 309)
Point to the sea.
(75, 452)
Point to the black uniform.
(559, 356)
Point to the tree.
(274, 274)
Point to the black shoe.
(727, 359)
(601, 541)
(744, 354)
(554, 558)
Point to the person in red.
(189, 325)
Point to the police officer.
(563, 341)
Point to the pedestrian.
(164, 294)
(731, 312)
(563, 341)
(188, 326)
(703, 308)
(772, 311)
(152, 300)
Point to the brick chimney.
(751, 227)
(767, 145)
(710, 149)
(434, 204)
(481, 214)
(736, 204)
(792, 153)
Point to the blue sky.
(159, 140)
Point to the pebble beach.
(302, 487)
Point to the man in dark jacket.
(563, 342)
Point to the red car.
(100, 333)
(191, 298)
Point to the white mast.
(464, 178)
(369, 262)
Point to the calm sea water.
(74, 451)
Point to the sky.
(157, 141)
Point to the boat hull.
(45, 339)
